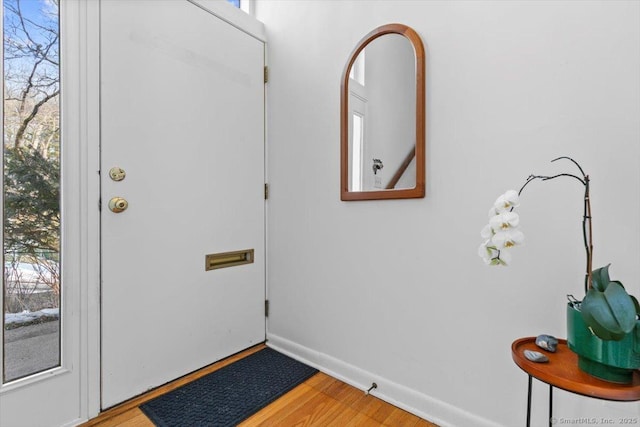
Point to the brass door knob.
(118, 204)
(117, 174)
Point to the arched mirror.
(382, 117)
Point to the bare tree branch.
(31, 116)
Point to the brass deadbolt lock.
(118, 204)
(117, 174)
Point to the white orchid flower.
(504, 221)
(505, 258)
(487, 232)
(501, 234)
(507, 201)
(487, 251)
(507, 239)
(492, 256)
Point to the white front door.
(182, 114)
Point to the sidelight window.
(31, 188)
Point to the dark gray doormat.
(231, 394)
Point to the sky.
(40, 12)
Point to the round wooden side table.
(562, 372)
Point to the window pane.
(358, 69)
(236, 3)
(31, 187)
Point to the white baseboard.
(431, 409)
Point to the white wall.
(395, 288)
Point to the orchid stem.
(588, 236)
(586, 218)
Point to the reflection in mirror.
(382, 117)
(381, 104)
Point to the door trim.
(90, 172)
(233, 16)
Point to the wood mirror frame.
(406, 193)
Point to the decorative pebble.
(547, 342)
(535, 356)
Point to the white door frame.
(90, 176)
(80, 220)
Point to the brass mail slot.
(228, 259)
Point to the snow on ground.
(16, 319)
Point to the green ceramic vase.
(612, 361)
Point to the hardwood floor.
(319, 401)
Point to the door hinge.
(266, 74)
(100, 205)
(266, 308)
(266, 191)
